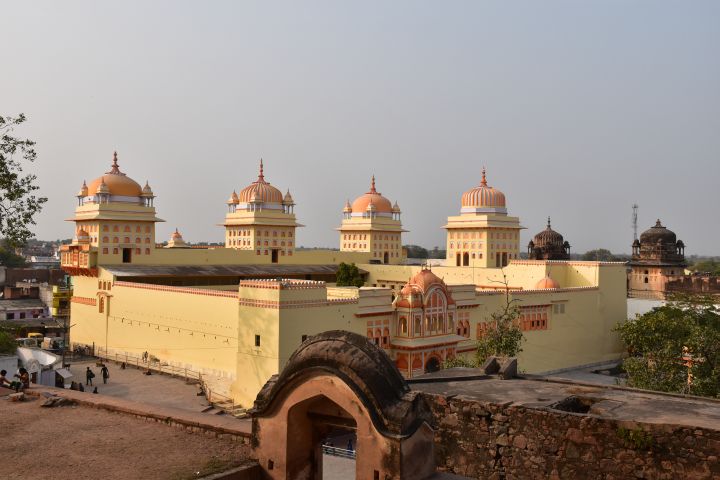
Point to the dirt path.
(87, 443)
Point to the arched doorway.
(432, 365)
(324, 440)
(318, 397)
(457, 259)
(386, 258)
(466, 259)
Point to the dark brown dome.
(658, 234)
(548, 245)
(548, 237)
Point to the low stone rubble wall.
(495, 441)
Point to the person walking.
(89, 375)
(105, 373)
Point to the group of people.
(89, 375)
(20, 380)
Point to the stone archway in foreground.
(339, 379)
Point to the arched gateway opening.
(339, 382)
(323, 426)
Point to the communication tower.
(634, 220)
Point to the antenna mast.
(634, 220)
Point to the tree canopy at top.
(18, 203)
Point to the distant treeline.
(416, 251)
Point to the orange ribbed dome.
(117, 182)
(546, 283)
(260, 191)
(483, 196)
(380, 203)
(413, 294)
(425, 278)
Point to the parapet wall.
(488, 440)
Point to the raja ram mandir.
(238, 312)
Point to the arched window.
(101, 305)
(417, 331)
(403, 326)
(435, 311)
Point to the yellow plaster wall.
(281, 328)
(192, 331)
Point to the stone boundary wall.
(149, 414)
(498, 441)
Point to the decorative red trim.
(251, 302)
(80, 272)
(187, 290)
(422, 347)
(283, 284)
(84, 300)
(566, 262)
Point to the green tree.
(348, 275)
(8, 258)
(458, 361)
(674, 343)
(18, 204)
(8, 344)
(600, 255)
(416, 251)
(706, 266)
(504, 337)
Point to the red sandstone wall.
(482, 440)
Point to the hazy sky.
(577, 108)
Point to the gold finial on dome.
(115, 168)
(548, 223)
(261, 176)
(372, 185)
(483, 182)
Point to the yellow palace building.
(237, 312)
